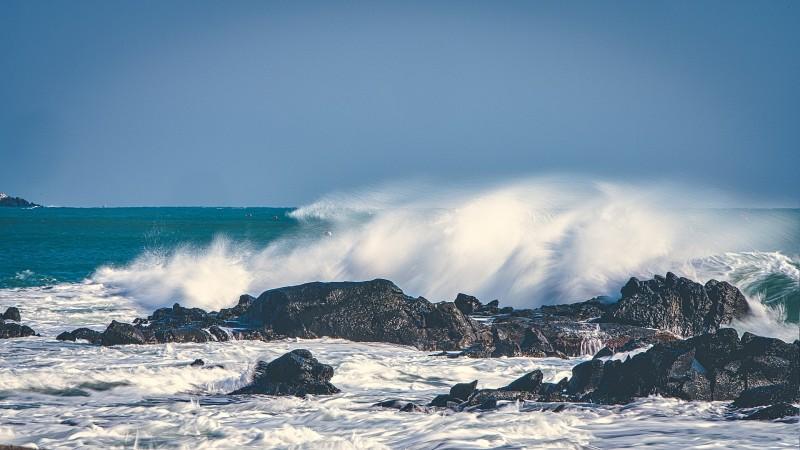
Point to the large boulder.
(296, 373)
(678, 305)
(93, 336)
(370, 311)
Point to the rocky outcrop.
(10, 326)
(716, 366)
(678, 305)
(378, 311)
(296, 373)
(18, 202)
(370, 311)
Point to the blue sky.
(277, 103)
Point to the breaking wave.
(529, 242)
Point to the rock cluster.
(10, 326)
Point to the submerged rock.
(93, 336)
(296, 373)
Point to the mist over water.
(527, 243)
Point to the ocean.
(71, 267)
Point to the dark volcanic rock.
(12, 313)
(198, 363)
(121, 334)
(604, 352)
(371, 311)
(296, 373)
(776, 411)
(462, 391)
(14, 330)
(678, 305)
(714, 366)
(530, 382)
(767, 395)
(467, 304)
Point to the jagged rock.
(530, 382)
(18, 202)
(462, 391)
(467, 304)
(121, 334)
(444, 400)
(678, 305)
(776, 411)
(371, 311)
(241, 306)
(197, 363)
(295, 373)
(93, 336)
(12, 313)
(715, 366)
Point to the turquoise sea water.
(43, 246)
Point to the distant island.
(6, 200)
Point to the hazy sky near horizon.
(277, 103)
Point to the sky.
(277, 103)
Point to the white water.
(61, 395)
(528, 243)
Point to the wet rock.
(197, 363)
(296, 373)
(370, 311)
(12, 313)
(776, 411)
(603, 353)
(467, 304)
(444, 400)
(530, 382)
(122, 334)
(462, 391)
(14, 330)
(678, 305)
(767, 395)
(586, 377)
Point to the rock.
(122, 334)
(586, 377)
(93, 336)
(15, 202)
(715, 366)
(773, 412)
(295, 373)
(12, 313)
(603, 353)
(66, 336)
(197, 363)
(530, 382)
(462, 391)
(444, 400)
(370, 311)
(14, 330)
(467, 304)
(678, 305)
(767, 395)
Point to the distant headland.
(6, 200)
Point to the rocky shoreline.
(691, 355)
